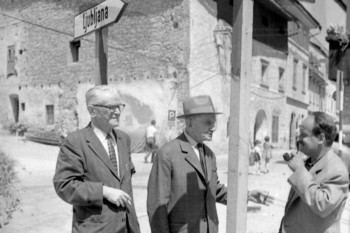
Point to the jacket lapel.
(96, 146)
(122, 151)
(190, 156)
(291, 197)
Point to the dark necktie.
(111, 152)
(202, 158)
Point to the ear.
(91, 111)
(322, 138)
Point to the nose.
(213, 127)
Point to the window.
(264, 72)
(74, 48)
(295, 69)
(304, 78)
(280, 79)
(50, 115)
(23, 106)
(11, 60)
(275, 120)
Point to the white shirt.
(193, 144)
(102, 137)
(151, 131)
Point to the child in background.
(257, 156)
(267, 152)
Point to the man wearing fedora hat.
(183, 186)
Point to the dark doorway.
(15, 106)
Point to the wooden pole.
(241, 59)
(101, 55)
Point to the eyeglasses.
(111, 108)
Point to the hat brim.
(194, 114)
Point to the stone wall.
(147, 54)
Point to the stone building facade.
(159, 53)
(147, 59)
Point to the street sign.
(97, 17)
(171, 115)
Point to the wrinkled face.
(202, 127)
(309, 144)
(105, 110)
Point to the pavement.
(44, 212)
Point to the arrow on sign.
(97, 17)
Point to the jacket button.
(123, 219)
(204, 220)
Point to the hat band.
(198, 110)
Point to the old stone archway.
(15, 106)
(260, 125)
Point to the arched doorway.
(15, 106)
(260, 125)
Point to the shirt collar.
(99, 133)
(309, 163)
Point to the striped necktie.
(111, 152)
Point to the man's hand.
(260, 197)
(116, 196)
(296, 162)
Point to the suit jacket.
(83, 167)
(317, 197)
(180, 197)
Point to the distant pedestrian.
(257, 156)
(151, 141)
(267, 153)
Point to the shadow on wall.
(135, 119)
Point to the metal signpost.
(96, 19)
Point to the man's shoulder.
(170, 146)
(172, 143)
(78, 133)
(122, 134)
(335, 163)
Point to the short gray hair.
(98, 90)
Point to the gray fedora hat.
(201, 104)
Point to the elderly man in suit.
(94, 169)
(183, 186)
(320, 184)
